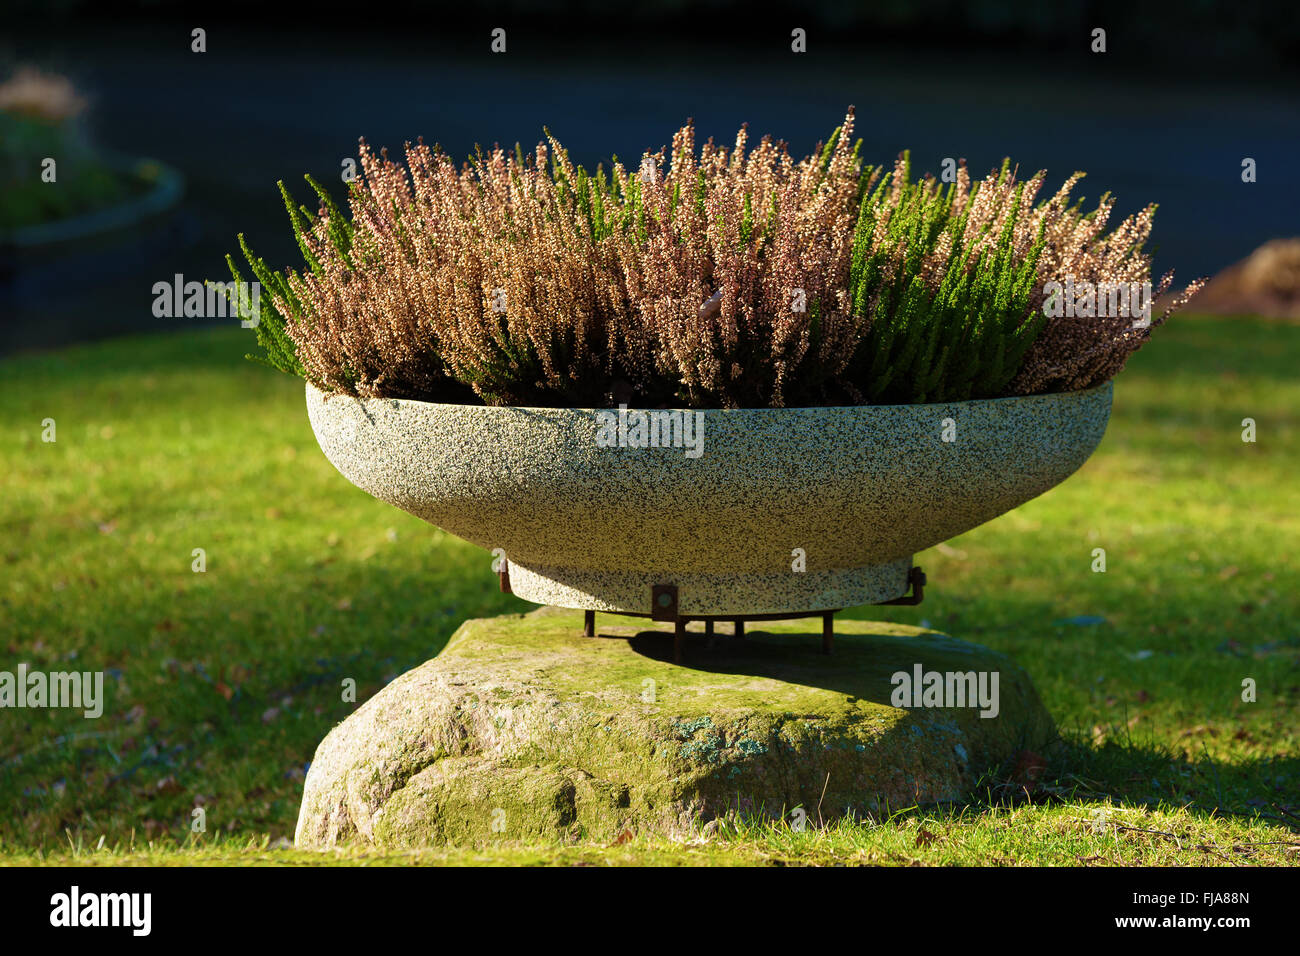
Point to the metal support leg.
(588, 623)
(916, 578)
(679, 640)
(828, 632)
(739, 628)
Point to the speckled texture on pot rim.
(859, 489)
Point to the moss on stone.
(522, 729)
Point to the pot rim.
(796, 408)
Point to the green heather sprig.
(948, 303)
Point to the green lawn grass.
(221, 683)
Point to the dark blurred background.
(1183, 94)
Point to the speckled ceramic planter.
(854, 491)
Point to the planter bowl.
(858, 489)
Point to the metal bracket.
(664, 606)
(503, 576)
(916, 578)
(663, 602)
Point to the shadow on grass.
(229, 703)
(1145, 776)
(1076, 767)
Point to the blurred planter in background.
(64, 202)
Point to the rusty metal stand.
(916, 578)
(663, 607)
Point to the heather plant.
(709, 276)
(953, 283)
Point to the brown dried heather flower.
(484, 275)
(1073, 351)
(534, 282)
